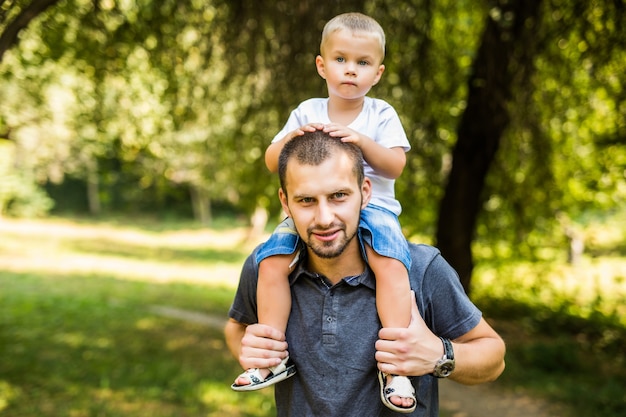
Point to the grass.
(80, 329)
(84, 329)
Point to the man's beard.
(328, 250)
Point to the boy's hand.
(262, 346)
(310, 127)
(344, 133)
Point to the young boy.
(351, 54)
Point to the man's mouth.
(326, 236)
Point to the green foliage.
(554, 163)
(154, 103)
(20, 196)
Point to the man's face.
(325, 202)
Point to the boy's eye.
(363, 63)
(340, 59)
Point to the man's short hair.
(313, 148)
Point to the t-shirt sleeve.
(448, 310)
(390, 132)
(301, 115)
(244, 306)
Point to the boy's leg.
(273, 298)
(393, 301)
(393, 291)
(273, 292)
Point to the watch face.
(444, 368)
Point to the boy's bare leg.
(273, 297)
(393, 298)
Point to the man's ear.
(283, 201)
(366, 192)
(319, 64)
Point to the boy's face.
(325, 203)
(350, 63)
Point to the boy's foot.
(254, 379)
(397, 392)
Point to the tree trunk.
(93, 187)
(201, 204)
(505, 53)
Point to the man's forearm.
(479, 359)
(233, 333)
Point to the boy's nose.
(350, 68)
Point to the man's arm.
(479, 353)
(256, 345)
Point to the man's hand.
(262, 346)
(411, 351)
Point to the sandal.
(400, 386)
(277, 373)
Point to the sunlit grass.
(97, 320)
(63, 247)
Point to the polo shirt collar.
(366, 278)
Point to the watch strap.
(447, 348)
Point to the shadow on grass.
(86, 345)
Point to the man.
(333, 331)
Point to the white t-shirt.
(378, 120)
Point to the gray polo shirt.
(332, 331)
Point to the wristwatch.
(445, 365)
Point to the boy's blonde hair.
(355, 22)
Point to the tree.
(153, 101)
(505, 54)
(15, 17)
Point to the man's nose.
(325, 214)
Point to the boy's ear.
(379, 74)
(319, 64)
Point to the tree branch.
(9, 36)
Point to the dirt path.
(456, 400)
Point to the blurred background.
(133, 185)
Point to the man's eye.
(340, 195)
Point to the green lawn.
(82, 329)
(92, 323)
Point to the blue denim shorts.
(379, 228)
